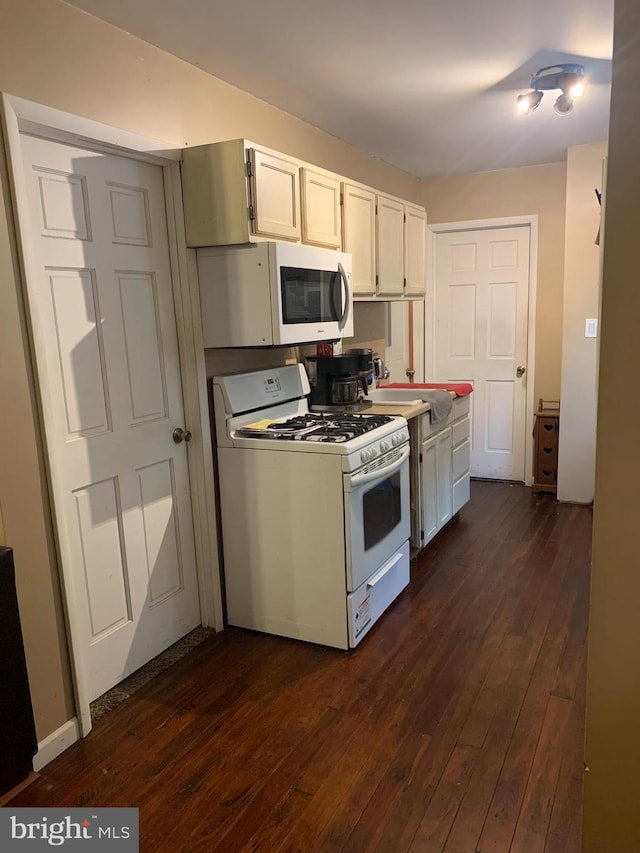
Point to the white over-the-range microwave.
(274, 294)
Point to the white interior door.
(480, 328)
(101, 303)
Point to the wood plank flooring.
(457, 725)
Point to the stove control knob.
(384, 446)
(363, 455)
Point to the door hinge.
(404, 217)
(249, 169)
(251, 213)
(421, 457)
(341, 199)
(377, 281)
(421, 535)
(376, 209)
(404, 282)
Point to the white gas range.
(314, 508)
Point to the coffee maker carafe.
(337, 382)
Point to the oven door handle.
(345, 308)
(380, 473)
(383, 571)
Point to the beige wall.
(56, 55)
(518, 192)
(612, 785)
(577, 449)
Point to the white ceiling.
(427, 85)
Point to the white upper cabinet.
(359, 236)
(321, 220)
(238, 192)
(274, 201)
(415, 235)
(390, 246)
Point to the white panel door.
(481, 319)
(101, 302)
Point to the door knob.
(410, 373)
(520, 370)
(180, 435)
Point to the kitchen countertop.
(405, 410)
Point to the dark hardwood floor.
(457, 725)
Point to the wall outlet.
(591, 328)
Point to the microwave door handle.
(345, 308)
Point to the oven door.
(377, 514)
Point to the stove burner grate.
(336, 428)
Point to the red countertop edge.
(460, 389)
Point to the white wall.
(576, 456)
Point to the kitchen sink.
(393, 396)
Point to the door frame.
(18, 115)
(425, 350)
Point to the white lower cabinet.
(440, 470)
(460, 460)
(435, 463)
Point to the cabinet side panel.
(235, 297)
(284, 555)
(214, 188)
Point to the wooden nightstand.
(545, 447)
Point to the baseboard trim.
(56, 743)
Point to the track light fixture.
(569, 78)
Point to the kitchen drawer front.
(461, 493)
(461, 460)
(428, 429)
(460, 406)
(367, 603)
(460, 432)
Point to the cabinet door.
(444, 477)
(320, 209)
(274, 196)
(429, 485)
(415, 240)
(390, 246)
(359, 236)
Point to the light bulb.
(563, 105)
(529, 101)
(577, 90)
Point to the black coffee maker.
(339, 383)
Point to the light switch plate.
(591, 328)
